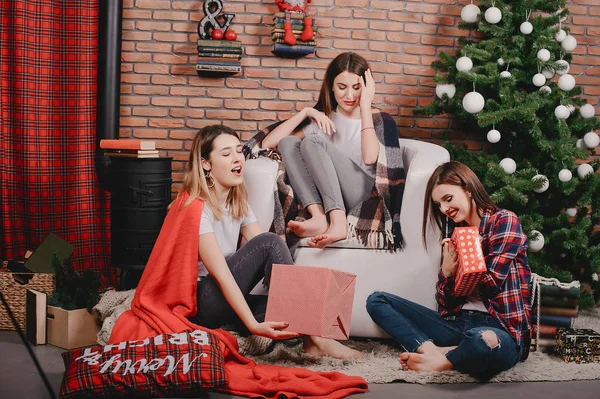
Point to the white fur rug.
(381, 364)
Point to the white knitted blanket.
(111, 306)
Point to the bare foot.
(445, 349)
(308, 228)
(319, 347)
(431, 361)
(334, 233)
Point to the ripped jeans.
(411, 325)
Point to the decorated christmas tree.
(510, 84)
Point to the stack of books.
(219, 56)
(559, 308)
(129, 148)
(302, 47)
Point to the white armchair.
(410, 273)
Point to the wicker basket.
(16, 293)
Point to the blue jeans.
(411, 325)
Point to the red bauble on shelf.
(217, 34)
(230, 35)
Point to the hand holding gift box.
(471, 262)
(314, 301)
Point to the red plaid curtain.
(48, 57)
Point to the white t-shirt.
(227, 231)
(347, 138)
(475, 303)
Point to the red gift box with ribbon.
(471, 262)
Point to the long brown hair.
(194, 181)
(350, 62)
(456, 174)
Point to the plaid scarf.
(375, 222)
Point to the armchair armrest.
(260, 176)
(420, 160)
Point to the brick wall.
(163, 99)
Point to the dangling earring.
(209, 177)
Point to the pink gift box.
(313, 300)
(471, 262)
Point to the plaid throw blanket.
(375, 222)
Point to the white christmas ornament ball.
(584, 169)
(591, 140)
(545, 185)
(509, 165)
(448, 89)
(572, 212)
(545, 89)
(505, 74)
(470, 13)
(565, 175)
(493, 15)
(587, 111)
(493, 136)
(579, 143)
(566, 82)
(569, 43)
(561, 112)
(473, 102)
(526, 28)
(539, 79)
(501, 61)
(562, 67)
(464, 64)
(543, 55)
(535, 244)
(560, 35)
(548, 73)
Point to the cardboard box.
(471, 262)
(578, 345)
(70, 329)
(313, 300)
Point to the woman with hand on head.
(482, 334)
(330, 151)
(227, 274)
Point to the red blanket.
(166, 297)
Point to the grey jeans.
(249, 265)
(321, 174)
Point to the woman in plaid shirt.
(482, 334)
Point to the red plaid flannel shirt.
(505, 288)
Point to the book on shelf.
(218, 68)
(127, 144)
(298, 42)
(560, 301)
(545, 331)
(132, 153)
(295, 26)
(294, 31)
(35, 316)
(216, 61)
(552, 320)
(219, 50)
(293, 15)
(297, 49)
(217, 58)
(281, 35)
(570, 312)
(139, 154)
(553, 290)
(545, 342)
(219, 43)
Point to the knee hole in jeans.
(491, 339)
